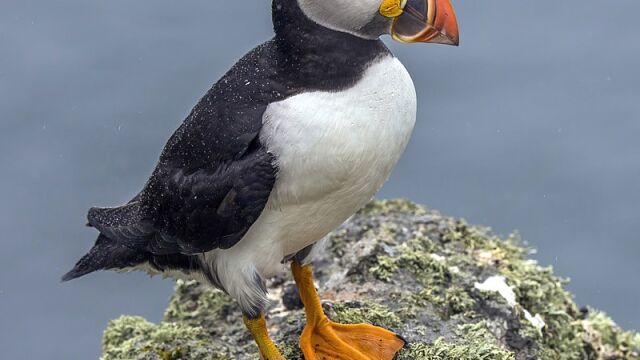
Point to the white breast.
(334, 151)
(345, 141)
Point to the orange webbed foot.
(329, 340)
(323, 339)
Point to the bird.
(295, 138)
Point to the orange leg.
(258, 328)
(323, 339)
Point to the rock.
(452, 290)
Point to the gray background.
(532, 124)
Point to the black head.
(406, 20)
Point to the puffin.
(296, 137)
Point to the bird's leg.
(258, 328)
(324, 339)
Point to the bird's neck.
(297, 34)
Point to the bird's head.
(408, 21)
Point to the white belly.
(334, 151)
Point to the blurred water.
(532, 124)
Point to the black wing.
(210, 208)
(192, 212)
(214, 176)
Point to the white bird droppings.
(438, 258)
(499, 284)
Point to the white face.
(357, 17)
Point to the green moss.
(540, 292)
(457, 300)
(536, 288)
(290, 350)
(472, 249)
(416, 258)
(385, 268)
(607, 340)
(474, 342)
(452, 301)
(433, 273)
(428, 271)
(133, 338)
(385, 207)
(209, 305)
(365, 312)
(337, 243)
(124, 329)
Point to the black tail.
(104, 255)
(122, 230)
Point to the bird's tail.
(104, 255)
(122, 230)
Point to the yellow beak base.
(391, 8)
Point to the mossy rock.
(397, 265)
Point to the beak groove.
(429, 21)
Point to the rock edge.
(452, 290)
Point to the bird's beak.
(429, 21)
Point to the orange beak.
(429, 21)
